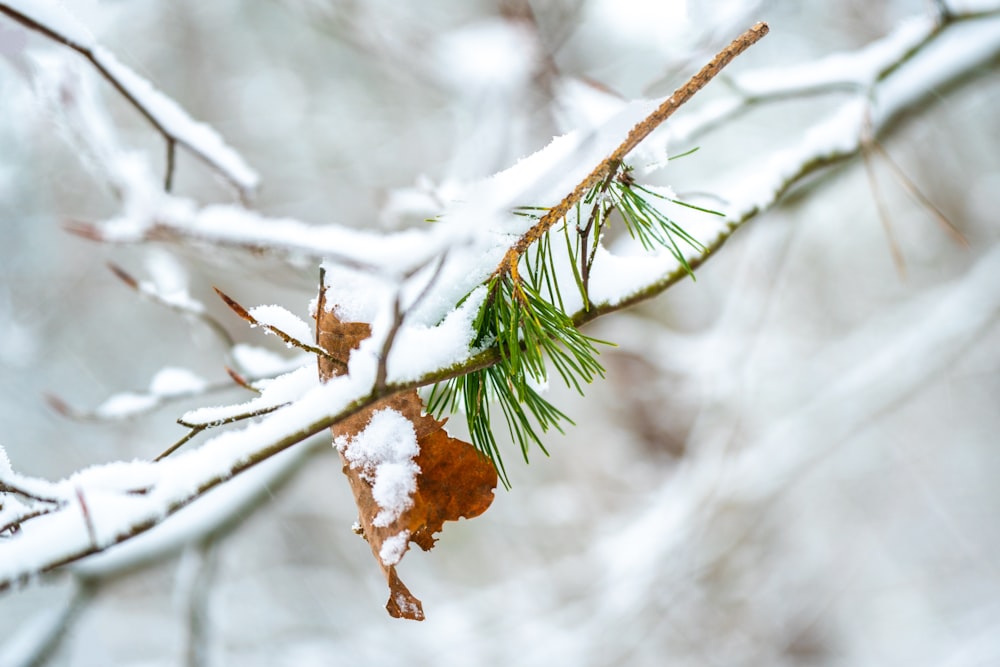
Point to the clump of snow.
(125, 404)
(167, 382)
(172, 381)
(274, 392)
(283, 320)
(487, 55)
(384, 452)
(169, 281)
(420, 349)
(261, 362)
(394, 547)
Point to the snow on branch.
(169, 118)
(904, 70)
(48, 525)
(888, 77)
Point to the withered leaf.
(454, 480)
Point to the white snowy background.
(792, 461)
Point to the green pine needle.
(525, 318)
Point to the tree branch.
(173, 484)
(169, 119)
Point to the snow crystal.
(394, 547)
(383, 453)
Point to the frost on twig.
(173, 122)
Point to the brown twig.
(91, 532)
(232, 419)
(7, 487)
(508, 265)
(918, 194)
(291, 340)
(883, 212)
(587, 260)
(195, 430)
(240, 380)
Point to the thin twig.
(636, 135)
(195, 430)
(383, 358)
(918, 194)
(599, 211)
(291, 340)
(91, 532)
(398, 315)
(7, 487)
(168, 178)
(883, 213)
(241, 381)
(232, 419)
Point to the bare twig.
(195, 430)
(918, 194)
(883, 212)
(7, 487)
(13, 526)
(241, 381)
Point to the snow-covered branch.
(884, 80)
(49, 18)
(377, 277)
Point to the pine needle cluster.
(526, 319)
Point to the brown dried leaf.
(454, 481)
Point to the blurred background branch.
(793, 460)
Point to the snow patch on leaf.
(383, 453)
(394, 547)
